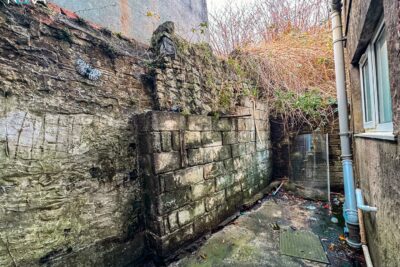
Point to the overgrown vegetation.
(288, 54)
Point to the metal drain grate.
(302, 244)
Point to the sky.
(216, 4)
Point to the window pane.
(382, 73)
(367, 93)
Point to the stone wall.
(199, 170)
(191, 79)
(74, 161)
(376, 161)
(69, 182)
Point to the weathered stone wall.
(199, 170)
(69, 182)
(377, 161)
(191, 79)
(71, 175)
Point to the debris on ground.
(252, 240)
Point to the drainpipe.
(350, 206)
(362, 207)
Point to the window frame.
(370, 57)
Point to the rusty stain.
(125, 16)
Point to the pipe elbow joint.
(360, 202)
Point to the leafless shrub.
(286, 46)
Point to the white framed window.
(375, 85)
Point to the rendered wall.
(376, 161)
(139, 18)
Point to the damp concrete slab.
(253, 238)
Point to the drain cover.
(302, 244)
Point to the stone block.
(224, 181)
(243, 111)
(189, 175)
(202, 189)
(149, 142)
(224, 124)
(225, 152)
(211, 153)
(233, 190)
(191, 212)
(213, 170)
(195, 156)
(206, 223)
(239, 176)
(167, 161)
(166, 121)
(229, 138)
(199, 123)
(238, 150)
(170, 201)
(211, 139)
(176, 140)
(262, 125)
(192, 139)
(246, 124)
(247, 101)
(245, 136)
(228, 164)
(173, 221)
(215, 200)
(166, 141)
(181, 178)
(250, 148)
(261, 146)
(261, 106)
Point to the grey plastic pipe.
(360, 202)
(350, 206)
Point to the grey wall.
(139, 18)
(376, 161)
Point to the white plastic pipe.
(350, 206)
(367, 257)
(360, 202)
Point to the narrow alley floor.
(253, 238)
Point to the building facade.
(139, 18)
(372, 44)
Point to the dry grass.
(296, 61)
(295, 73)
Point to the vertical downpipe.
(350, 206)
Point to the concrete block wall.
(198, 170)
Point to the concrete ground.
(253, 240)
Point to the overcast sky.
(215, 4)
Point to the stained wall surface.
(74, 177)
(139, 18)
(69, 181)
(376, 160)
(199, 170)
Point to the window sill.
(377, 135)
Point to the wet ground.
(253, 238)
